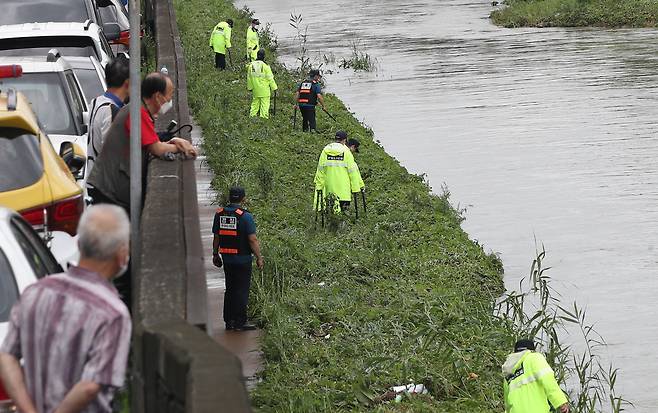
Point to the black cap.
(236, 194)
(230, 22)
(341, 134)
(524, 344)
(354, 142)
(314, 72)
(255, 21)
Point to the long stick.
(329, 114)
(275, 103)
(356, 206)
(230, 59)
(363, 197)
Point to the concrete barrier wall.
(177, 367)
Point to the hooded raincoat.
(530, 384)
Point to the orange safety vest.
(232, 241)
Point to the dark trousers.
(220, 61)
(236, 297)
(308, 118)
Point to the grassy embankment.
(577, 13)
(399, 296)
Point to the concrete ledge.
(177, 367)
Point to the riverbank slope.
(400, 295)
(577, 13)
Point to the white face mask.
(166, 107)
(122, 270)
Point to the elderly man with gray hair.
(71, 330)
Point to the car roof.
(87, 29)
(81, 62)
(36, 64)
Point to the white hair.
(103, 230)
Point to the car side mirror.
(73, 155)
(112, 31)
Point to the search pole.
(135, 142)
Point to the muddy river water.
(541, 134)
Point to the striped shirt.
(67, 328)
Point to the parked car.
(114, 12)
(70, 39)
(91, 76)
(55, 94)
(34, 180)
(42, 11)
(24, 258)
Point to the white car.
(90, 74)
(24, 259)
(70, 39)
(55, 94)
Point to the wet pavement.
(245, 345)
(544, 136)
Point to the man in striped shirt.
(71, 330)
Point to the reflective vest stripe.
(239, 211)
(220, 210)
(530, 379)
(228, 250)
(227, 232)
(335, 164)
(302, 100)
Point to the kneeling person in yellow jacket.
(530, 382)
(260, 81)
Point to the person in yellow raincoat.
(260, 81)
(253, 44)
(337, 174)
(530, 383)
(220, 41)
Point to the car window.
(46, 94)
(111, 14)
(8, 288)
(21, 164)
(41, 11)
(78, 99)
(92, 85)
(39, 46)
(41, 260)
(105, 45)
(42, 257)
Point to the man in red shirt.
(110, 177)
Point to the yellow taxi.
(34, 180)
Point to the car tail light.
(36, 217)
(124, 38)
(60, 216)
(11, 71)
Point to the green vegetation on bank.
(399, 296)
(577, 13)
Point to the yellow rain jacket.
(260, 79)
(252, 43)
(530, 384)
(337, 172)
(220, 38)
